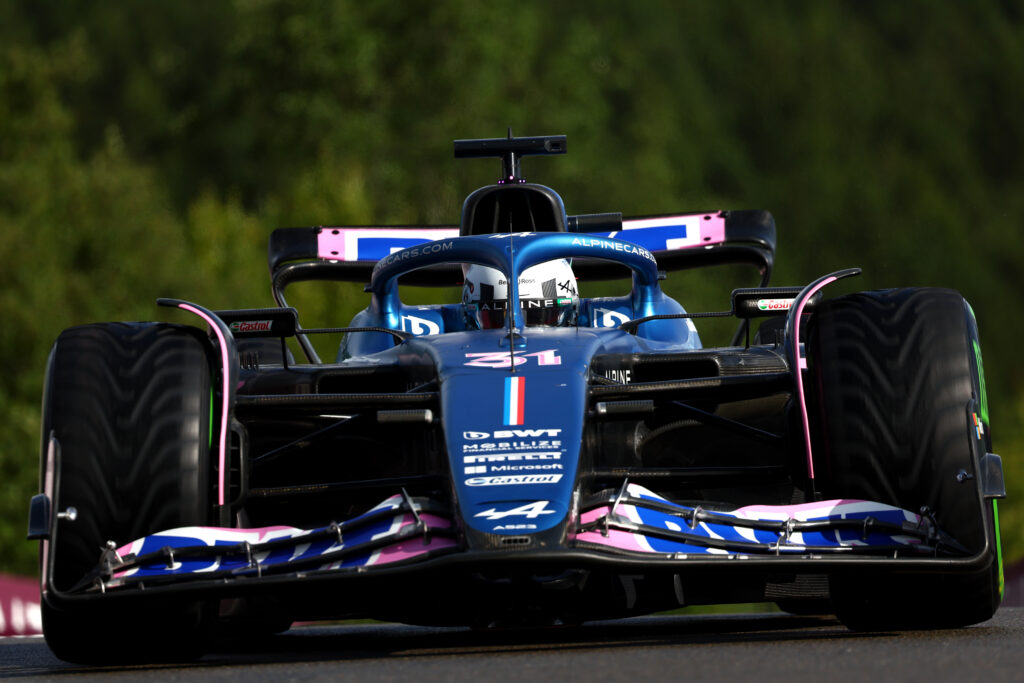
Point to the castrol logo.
(251, 326)
(774, 304)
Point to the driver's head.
(547, 294)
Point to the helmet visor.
(490, 315)
(536, 312)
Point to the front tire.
(129, 405)
(897, 377)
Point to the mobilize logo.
(514, 479)
(521, 446)
(510, 434)
(530, 511)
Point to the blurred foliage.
(148, 148)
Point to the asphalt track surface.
(761, 647)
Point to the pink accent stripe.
(794, 510)
(410, 549)
(616, 538)
(799, 373)
(44, 565)
(712, 230)
(223, 441)
(595, 514)
(330, 244)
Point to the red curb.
(19, 606)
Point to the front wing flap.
(639, 520)
(403, 530)
(399, 529)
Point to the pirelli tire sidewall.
(130, 407)
(896, 380)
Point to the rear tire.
(129, 404)
(896, 372)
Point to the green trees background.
(148, 149)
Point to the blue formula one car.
(523, 456)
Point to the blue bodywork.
(487, 452)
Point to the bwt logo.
(510, 434)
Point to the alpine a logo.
(251, 326)
(529, 511)
(510, 434)
(510, 480)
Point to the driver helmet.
(547, 294)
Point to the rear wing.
(678, 242)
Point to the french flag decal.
(515, 392)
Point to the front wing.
(628, 525)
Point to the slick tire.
(129, 407)
(897, 375)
